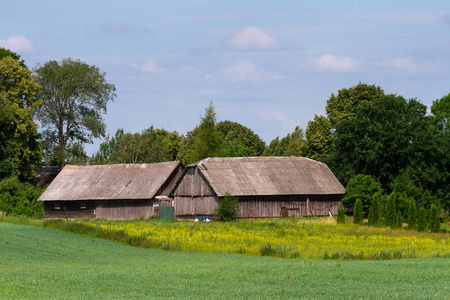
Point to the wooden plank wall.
(193, 184)
(69, 209)
(191, 207)
(124, 209)
(169, 185)
(271, 206)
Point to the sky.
(269, 65)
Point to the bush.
(228, 208)
(375, 210)
(358, 213)
(422, 220)
(435, 223)
(399, 220)
(20, 199)
(412, 214)
(362, 187)
(391, 211)
(341, 215)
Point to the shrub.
(422, 220)
(391, 211)
(341, 215)
(20, 199)
(435, 223)
(228, 208)
(399, 220)
(361, 187)
(358, 213)
(412, 215)
(375, 210)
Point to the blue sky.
(269, 65)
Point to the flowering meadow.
(305, 238)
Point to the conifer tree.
(422, 220)
(375, 210)
(412, 214)
(435, 224)
(391, 211)
(358, 212)
(398, 220)
(341, 215)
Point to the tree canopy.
(20, 150)
(291, 144)
(75, 95)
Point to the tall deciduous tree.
(291, 144)
(381, 139)
(362, 187)
(319, 139)
(75, 96)
(239, 140)
(19, 147)
(343, 105)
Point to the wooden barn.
(120, 192)
(266, 187)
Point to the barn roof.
(248, 176)
(109, 182)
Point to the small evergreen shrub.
(341, 215)
(228, 208)
(435, 223)
(391, 211)
(399, 220)
(375, 210)
(412, 215)
(422, 220)
(358, 213)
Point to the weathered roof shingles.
(109, 182)
(247, 176)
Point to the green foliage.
(291, 145)
(228, 209)
(422, 220)
(75, 96)
(343, 105)
(412, 214)
(239, 141)
(382, 139)
(375, 210)
(398, 221)
(204, 141)
(391, 211)
(319, 138)
(20, 151)
(358, 212)
(20, 199)
(8, 53)
(434, 221)
(361, 187)
(341, 215)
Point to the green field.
(42, 263)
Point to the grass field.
(287, 238)
(42, 263)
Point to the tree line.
(367, 137)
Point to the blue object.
(207, 219)
(200, 218)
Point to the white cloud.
(287, 122)
(253, 38)
(247, 71)
(406, 63)
(149, 66)
(333, 63)
(18, 43)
